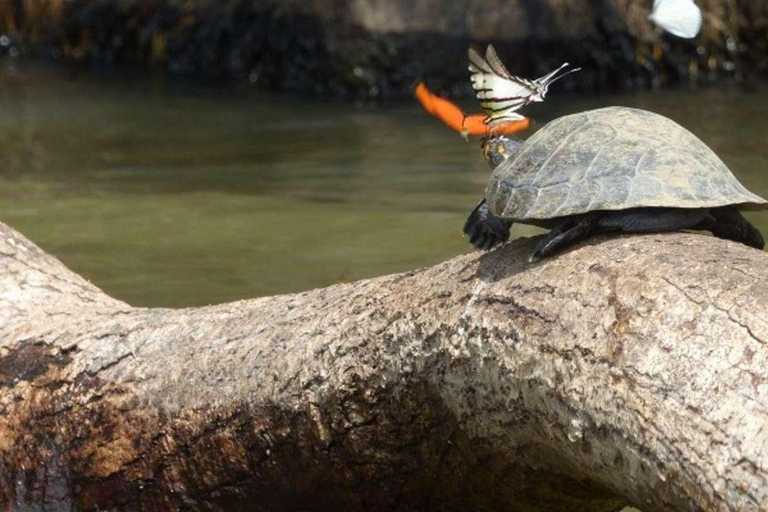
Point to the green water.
(167, 195)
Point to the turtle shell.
(612, 159)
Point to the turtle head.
(497, 149)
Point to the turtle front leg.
(567, 233)
(484, 229)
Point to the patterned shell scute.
(612, 159)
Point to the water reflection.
(177, 195)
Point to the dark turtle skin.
(613, 169)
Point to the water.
(167, 195)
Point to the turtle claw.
(474, 235)
(484, 229)
(491, 241)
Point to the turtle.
(615, 169)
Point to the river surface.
(166, 194)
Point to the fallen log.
(630, 370)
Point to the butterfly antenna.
(553, 77)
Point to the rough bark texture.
(628, 370)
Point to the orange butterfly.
(475, 125)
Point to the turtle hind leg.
(728, 223)
(567, 233)
(652, 220)
(484, 229)
(635, 220)
(724, 222)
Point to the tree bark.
(628, 370)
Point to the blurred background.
(180, 153)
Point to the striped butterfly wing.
(500, 93)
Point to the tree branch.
(629, 370)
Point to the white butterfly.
(502, 93)
(678, 17)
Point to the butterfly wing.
(500, 93)
(495, 64)
(681, 18)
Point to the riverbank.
(362, 48)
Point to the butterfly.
(469, 125)
(502, 93)
(681, 18)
